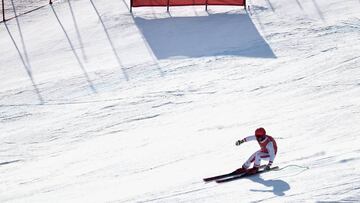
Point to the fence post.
(206, 5)
(131, 5)
(168, 5)
(3, 9)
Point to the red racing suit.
(268, 150)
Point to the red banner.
(138, 3)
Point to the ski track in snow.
(100, 105)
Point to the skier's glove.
(267, 167)
(239, 142)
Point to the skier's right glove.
(239, 142)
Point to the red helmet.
(260, 132)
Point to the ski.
(234, 173)
(236, 177)
(220, 176)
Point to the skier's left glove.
(239, 142)
(267, 167)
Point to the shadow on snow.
(278, 186)
(8, 162)
(201, 36)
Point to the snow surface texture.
(100, 105)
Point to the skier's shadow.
(278, 186)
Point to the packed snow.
(98, 104)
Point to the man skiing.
(268, 150)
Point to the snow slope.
(100, 105)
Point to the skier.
(268, 151)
